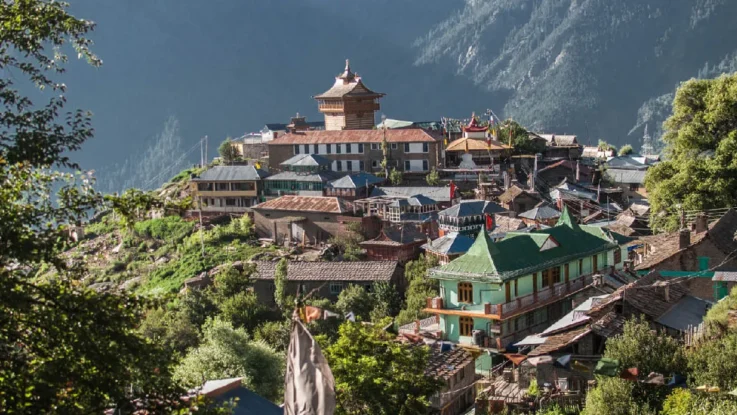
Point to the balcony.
(517, 306)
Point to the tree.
(65, 349)
(280, 282)
(626, 150)
(387, 301)
(172, 328)
(684, 402)
(433, 178)
(228, 152)
(419, 289)
(700, 167)
(520, 138)
(613, 396)
(228, 352)
(714, 362)
(604, 146)
(355, 298)
(132, 205)
(374, 374)
(396, 177)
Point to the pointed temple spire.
(347, 75)
(566, 219)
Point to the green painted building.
(499, 292)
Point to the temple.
(349, 104)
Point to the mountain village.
(541, 247)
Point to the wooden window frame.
(465, 326)
(465, 292)
(617, 256)
(555, 275)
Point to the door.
(297, 232)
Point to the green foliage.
(171, 328)
(533, 390)
(132, 205)
(685, 402)
(613, 396)
(604, 146)
(626, 150)
(678, 402)
(714, 362)
(357, 299)
(433, 178)
(274, 333)
(230, 281)
(170, 228)
(198, 306)
(376, 375)
(717, 318)
(396, 177)
(186, 174)
(419, 289)
(228, 352)
(228, 152)
(348, 242)
(387, 301)
(520, 138)
(701, 146)
(242, 310)
(280, 282)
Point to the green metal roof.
(519, 253)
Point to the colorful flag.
(452, 190)
(489, 222)
(309, 386)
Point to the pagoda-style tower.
(349, 104)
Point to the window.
(337, 148)
(360, 165)
(336, 287)
(568, 274)
(425, 165)
(617, 256)
(555, 274)
(307, 149)
(221, 186)
(529, 319)
(229, 202)
(515, 289)
(339, 165)
(360, 147)
(406, 165)
(466, 325)
(465, 292)
(374, 146)
(634, 187)
(243, 186)
(296, 149)
(425, 147)
(349, 165)
(204, 186)
(348, 148)
(580, 266)
(375, 164)
(327, 148)
(595, 260)
(406, 147)
(316, 149)
(395, 146)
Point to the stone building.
(328, 279)
(518, 200)
(302, 219)
(228, 189)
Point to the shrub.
(170, 228)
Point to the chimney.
(684, 239)
(578, 171)
(667, 293)
(701, 223)
(276, 134)
(417, 326)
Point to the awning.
(515, 358)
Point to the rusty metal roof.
(330, 271)
(409, 135)
(307, 204)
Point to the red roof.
(307, 204)
(409, 135)
(473, 126)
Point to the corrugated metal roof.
(231, 173)
(322, 176)
(410, 135)
(307, 160)
(541, 213)
(472, 208)
(330, 271)
(438, 194)
(560, 140)
(450, 244)
(355, 181)
(626, 176)
(306, 204)
(689, 311)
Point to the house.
(454, 367)
(304, 174)
(228, 189)
(327, 279)
(484, 148)
(395, 243)
(594, 153)
(467, 217)
(504, 224)
(561, 147)
(706, 247)
(632, 182)
(301, 219)
(276, 130)
(518, 200)
(724, 282)
(449, 246)
(555, 173)
(540, 215)
(417, 210)
(498, 292)
(353, 186)
(246, 402)
(439, 194)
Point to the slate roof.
(647, 294)
(519, 252)
(415, 200)
(231, 173)
(307, 160)
(570, 189)
(560, 140)
(409, 135)
(472, 208)
(688, 311)
(330, 271)
(626, 176)
(475, 144)
(445, 365)
(319, 176)
(350, 89)
(506, 224)
(626, 162)
(439, 194)
(397, 235)
(559, 341)
(355, 181)
(306, 204)
(541, 213)
(450, 244)
(513, 192)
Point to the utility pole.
(202, 229)
(206, 159)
